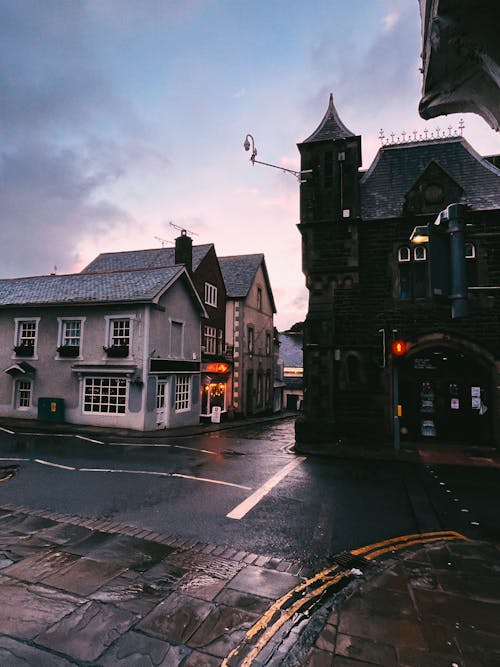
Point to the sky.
(119, 117)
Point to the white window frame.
(28, 389)
(210, 339)
(404, 254)
(211, 295)
(420, 250)
(98, 381)
(472, 254)
(18, 322)
(182, 395)
(61, 336)
(110, 319)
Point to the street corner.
(311, 619)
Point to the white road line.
(162, 444)
(195, 449)
(243, 508)
(14, 459)
(47, 435)
(83, 437)
(54, 465)
(131, 472)
(167, 474)
(212, 481)
(6, 430)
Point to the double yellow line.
(283, 609)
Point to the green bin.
(51, 409)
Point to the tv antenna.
(183, 229)
(162, 241)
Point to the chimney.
(184, 251)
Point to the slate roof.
(291, 349)
(331, 127)
(142, 259)
(238, 272)
(80, 288)
(396, 168)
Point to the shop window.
(105, 395)
(182, 393)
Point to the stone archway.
(448, 391)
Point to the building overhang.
(20, 368)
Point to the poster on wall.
(455, 404)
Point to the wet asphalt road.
(188, 487)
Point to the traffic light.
(447, 259)
(398, 348)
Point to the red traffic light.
(398, 348)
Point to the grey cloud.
(50, 201)
(376, 75)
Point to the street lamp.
(420, 234)
(250, 143)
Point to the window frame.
(211, 295)
(62, 337)
(18, 392)
(182, 393)
(268, 344)
(182, 329)
(259, 298)
(250, 340)
(18, 325)
(210, 339)
(120, 382)
(110, 337)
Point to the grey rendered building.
(118, 349)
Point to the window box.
(24, 350)
(69, 351)
(117, 351)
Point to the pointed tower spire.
(331, 127)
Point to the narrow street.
(246, 489)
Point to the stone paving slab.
(222, 630)
(268, 583)
(176, 619)
(132, 552)
(27, 610)
(84, 576)
(37, 567)
(87, 632)
(134, 649)
(17, 654)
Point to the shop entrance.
(445, 396)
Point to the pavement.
(78, 591)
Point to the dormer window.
(420, 253)
(404, 254)
(412, 272)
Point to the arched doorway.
(446, 396)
